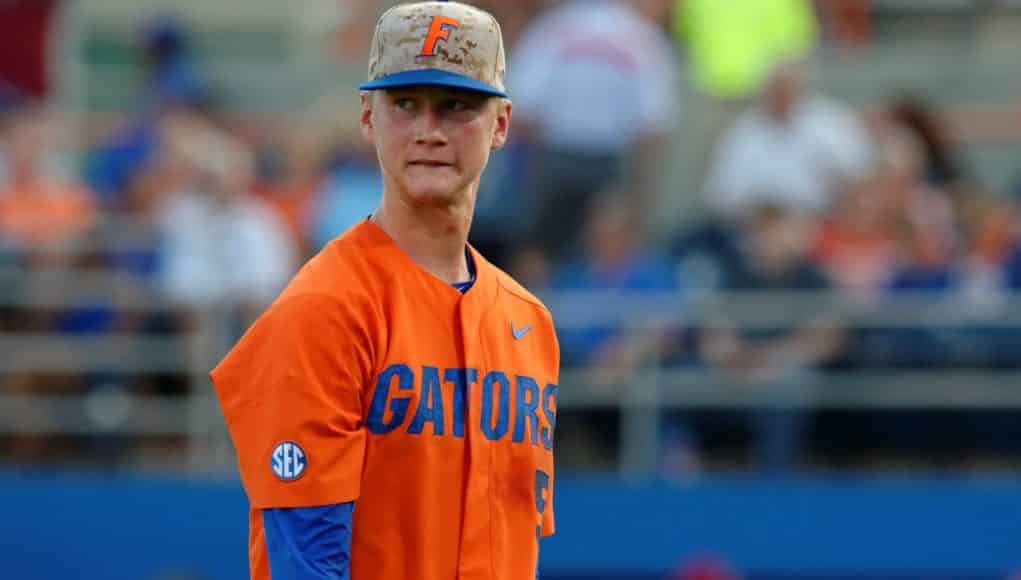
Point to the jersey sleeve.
(291, 394)
(312, 543)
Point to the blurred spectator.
(707, 253)
(222, 246)
(923, 246)
(351, 194)
(941, 165)
(41, 203)
(607, 347)
(135, 244)
(993, 266)
(928, 268)
(171, 85)
(777, 361)
(905, 158)
(991, 222)
(858, 243)
(848, 22)
(109, 167)
(939, 266)
(929, 264)
(594, 84)
(1013, 270)
(505, 212)
(793, 148)
(732, 46)
(170, 74)
(291, 176)
(530, 266)
(991, 226)
(352, 185)
(612, 259)
(927, 216)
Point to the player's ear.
(368, 130)
(502, 125)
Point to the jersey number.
(541, 487)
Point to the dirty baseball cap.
(437, 43)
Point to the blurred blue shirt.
(1012, 270)
(648, 271)
(351, 193)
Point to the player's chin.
(434, 191)
(433, 197)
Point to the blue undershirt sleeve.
(311, 543)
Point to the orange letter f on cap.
(439, 29)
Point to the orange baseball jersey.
(370, 380)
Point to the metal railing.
(649, 389)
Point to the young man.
(394, 409)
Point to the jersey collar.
(483, 290)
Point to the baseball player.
(393, 411)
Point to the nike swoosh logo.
(519, 332)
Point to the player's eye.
(457, 106)
(405, 104)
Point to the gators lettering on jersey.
(370, 380)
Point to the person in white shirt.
(595, 83)
(792, 148)
(221, 245)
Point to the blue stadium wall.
(58, 526)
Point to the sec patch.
(288, 461)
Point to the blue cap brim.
(431, 77)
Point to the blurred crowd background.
(778, 236)
(678, 171)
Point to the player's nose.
(429, 128)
